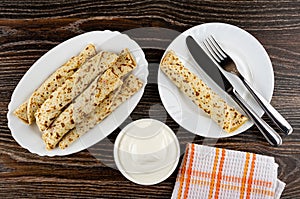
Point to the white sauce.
(146, 151)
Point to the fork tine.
(210, 51)
(214, 48)
(216, 44)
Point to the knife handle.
(268, 132)
(273, 114)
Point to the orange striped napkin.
(209, 172)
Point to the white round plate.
(29, 137)
(252, 60)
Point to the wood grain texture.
(29, 29)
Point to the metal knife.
(213, 71)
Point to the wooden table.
(28, 30)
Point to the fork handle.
(273, 114)
(268, 132)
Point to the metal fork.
(225, 61)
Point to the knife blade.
(217, 75)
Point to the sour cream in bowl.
(146, 151)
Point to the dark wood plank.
(29, 29)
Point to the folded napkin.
(209, 172)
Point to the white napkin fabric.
(209, 172)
